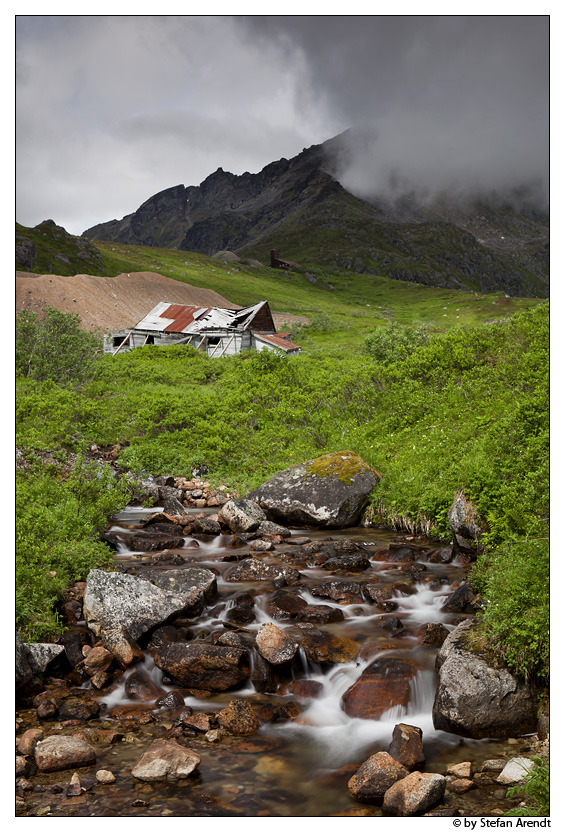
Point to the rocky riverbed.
(232, 666)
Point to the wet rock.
(341, 591)
(306, 689)
(122, 646)
(74, 788)
(47, 704)
(268, 528)
(28, 741)
(262, 546)
(283, 606)
(140, 687)
(459, 599)
(40, 656)
(105, 777)
(263, 676)
(199, 721)
(241, 515)
(461, 786)
(320, 614)
(330, 491)
(443, 555)
(381, 596)
(238, 718)
(475, 699)
(241, 614)
(432, 635)
(145, 542)
(462, 770)
(203, 666)
(275, 645)
(58, 753)
(321, 647)
(407, 746)
(97, 659)
(173, 699)
(252, 569)
(415, 794)
(23, 667)
(382, 685)
(375, 776)
(166, 760)
(206, 525)
(75, 707)
(73, 641)
(114, 599)
(515, 771)
(347, 563)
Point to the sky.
(113, 109)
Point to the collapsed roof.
(176, 317)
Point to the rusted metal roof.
(176, 317)
(277, 340)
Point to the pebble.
(104, 776)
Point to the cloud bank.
(111, 110)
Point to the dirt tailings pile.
(109, 303)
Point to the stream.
(297, 766)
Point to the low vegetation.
(433, 411)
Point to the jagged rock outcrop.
(485, 244)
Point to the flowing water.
(292, 767)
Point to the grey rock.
(331, 491)
(515, 771)
(475, 699)
(114, 599)
(41, 655)
(23, 667)
(241, 515)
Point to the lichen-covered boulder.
(331, 491)
(475, 699)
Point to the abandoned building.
(216, 331)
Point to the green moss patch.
(345, 465)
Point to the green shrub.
(395, 342)
(54, 347)
(534, 790)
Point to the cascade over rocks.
(114, 599)
(475, 699)
(385, 683)
(330, 491)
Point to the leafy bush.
(395, 342)
(54, 347)
(535, 791)
(59, 515)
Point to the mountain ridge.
(298, 206)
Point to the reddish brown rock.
(122, 646)
(283, 606)
(239, 718)
(275, 645)
(202, 666)
(384, 684)
(376, 776)
(433, 635)
(59, 753)
(28, 741)
(306, 688)
(415, 794)
(461, 786)
(407, 746)
(323, 647)
(97, 659)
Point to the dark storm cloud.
(112, 109)
(441, 102)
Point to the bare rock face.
(331, 491)
(385, 683)
(475, 699)
(415, 794)
(376, 776)
(166, 760)
(241, 515)
(275, 645)
(114, 599)
(59, 753)
(201, 665)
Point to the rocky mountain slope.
(298, 207)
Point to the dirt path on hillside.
(111, 303)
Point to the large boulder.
(114, 599)
(475, 699)
(331, 491)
